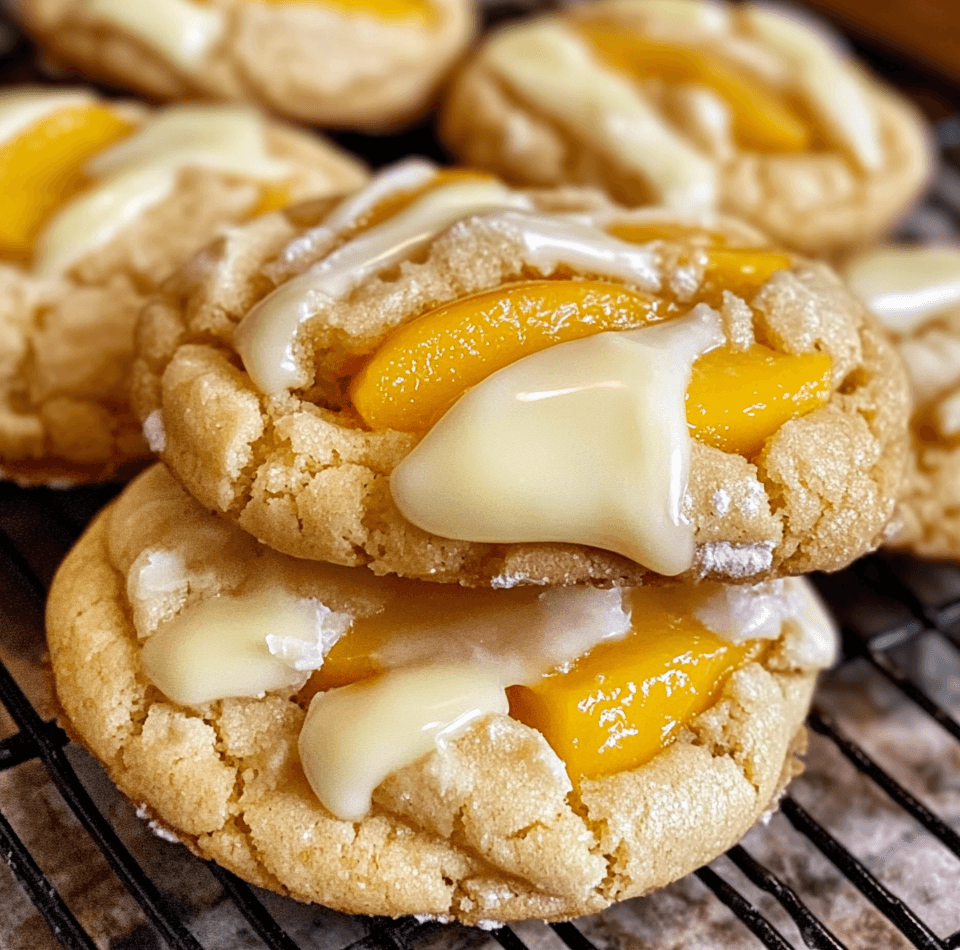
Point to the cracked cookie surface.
(324, 64)
(66, 333)
(490, 821)
(299, 471)
(537, 106)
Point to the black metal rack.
(884, 604)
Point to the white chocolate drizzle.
(22, 109)
(141, 171)
(182, 31)
(355, 736)
(585, 442)
(240, 646)
(548, 64)
(906, 286)
(830, 84)
(265, 337)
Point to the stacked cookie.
(470, 551)
(468, 583)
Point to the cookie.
(293, 375)
(161, 597)
(336, 63)
(100, 202)
(915, 291)
(743, 108)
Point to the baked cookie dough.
(915, 292)
(98, 204)
(250, 359)
(742, 108)
(344, 63)
(161, 597)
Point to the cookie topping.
(266, 336)
(141, 171)
(182, 31)
(240, 646)
(46, 141)
(906, 286)
(354, 737)
(538, 450)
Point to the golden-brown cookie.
(488, 815)
(250, 361)
(695, 104)
(344, 63)
(915, 292)
(100, 202)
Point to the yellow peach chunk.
(273, 197)
(737, 400)
(624, 701)
(43, 167)
(761, 120)
(425, 365)
(419, 10)
(742, 271)
(642, 232)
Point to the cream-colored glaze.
(747, 612)
(355, 736)
(406, 175)
(585, 442)
(830, 84)
(182, 31)
(549, 65)
(933, 363)
(242, 645)
(265, 338)
(20, 109)
(906, 286)
(520, 633)
(712, 16)
(947, 416)
(141, 171)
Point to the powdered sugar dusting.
(721, 502)
(154, 432)
(736, 560)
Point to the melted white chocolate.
(585, 442)
(141, 171)
(831, 85)
(355, 736)
(181, 31)
(240, 646)
(555, 69)
(22, 109)
(906, 286)
(266, 336)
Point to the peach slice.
(624, 701)
(43, 167)
(761, 121)
(419, 10)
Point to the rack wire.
(882, 603)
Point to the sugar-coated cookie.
(207, 672)
(695, 103)
(289, 373)
(99, 202)
(344, 63)
(915, 292)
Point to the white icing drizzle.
(141, 171)
(406, 175)
(829, 83)
(906, 286)
(22, 109)
(584, 442)
(550, 65)
(393, 720)
(184, 32)
(240, 646)
(265, 337)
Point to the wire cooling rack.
(885, 605)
